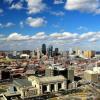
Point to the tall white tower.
(38, 54)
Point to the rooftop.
(22, 82)
(52, 79)
(90, 72)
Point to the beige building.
(72, 85)
(89, 54)
(90, 76)
(36, 86)
(48, 84)
(25, 88)
(96, 69)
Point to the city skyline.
(27, 24)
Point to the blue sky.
(26, 24)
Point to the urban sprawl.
(50, 74)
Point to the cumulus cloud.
(1, 11)
(82, 28)
(88, 35)
(64, 35)
(8, 24)
(17, 37)
(55, 35)
(2, 37)
(58, 1)
(83, 5)
(40, 36)
(35, 6)
(35, 22)
(75, 37)
(9, 1)
(95, 37)
(21, 24)
(72, 37)
(60, 13)
(55, 38)
(93, 40)
(17, 6)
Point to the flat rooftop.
(49, 79)
(90, 72)
(52, 79)
(22, 82)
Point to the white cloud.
(95, 37)
(83, 5)
(1, 11)
(58, 1)
(9, 24)
(57, 39)
(40, 36)
(17, 6)
(1, 35)
(1, 26)
(17, 37)
(75, 37)
(35, 6)
(68, 35)
(21, 24)
(35, 22)
(56, 26)
(82, 28)
(92, 40)
(87, 35)
(55, 35)
(60, 13)
(9, 1)
(64, 35)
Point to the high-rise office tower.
(70, 74)
(56, 52)
(44, 49)
(50, 51)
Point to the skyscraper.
(50, 51)
(44, 49)
(56, 52)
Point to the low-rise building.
(25, 88)
(48, 84)
(25, 56)
(91, 76)
(96, 69)
(89, 54)
(57, 69)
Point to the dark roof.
(22, 82)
